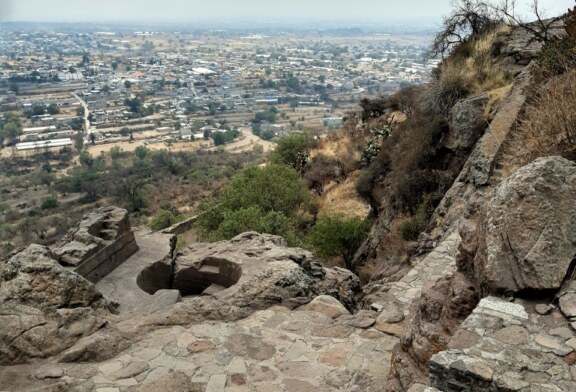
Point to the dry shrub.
(373, 175)
(321, 170)
(549, 123)
(558, 55)
(470, 69)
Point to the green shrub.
(292, 150)
(49, 203)
(164, 219)
(265, 199)
(252, 219)
(338, 235)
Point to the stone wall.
(101, 242)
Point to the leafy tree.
(337, 235)
(53, 109)
(38, 110)
(86, 159)
(80, 111)
(274, 189)
(3, 208)
(127, 84)
(141, 152)
(292, 150)
(92, 138)
(293, 85)
(11, 131)
(218, 138)
(267, 135)
(76, 124)
(46, 167)
(78, 139)
(130, 184)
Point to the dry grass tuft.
(469, 70)
(549, 124)
(343, 198)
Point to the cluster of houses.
(183, 78)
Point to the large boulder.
(44, 308)
(467, 122)
(527, 237)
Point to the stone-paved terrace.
(273, 350)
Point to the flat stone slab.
(504, 307)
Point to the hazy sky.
(278, 10)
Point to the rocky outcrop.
(44, 308)
(528, 233)
(467, 122)
(101, 242)
(517, 240)
(441, 309)
(518, 46)
(230, 280)
(514, 239)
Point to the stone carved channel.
(208, 277)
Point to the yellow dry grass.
(342, 198)
(337, 145)
(495, 98)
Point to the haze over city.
(175, 10)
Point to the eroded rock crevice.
(208, 277)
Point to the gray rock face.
(44, 308)
(518, 45)
(466, 123)
(98, 347)
(251, 272)
(528, 233)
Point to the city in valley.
(185, 91)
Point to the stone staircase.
(402, 296)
